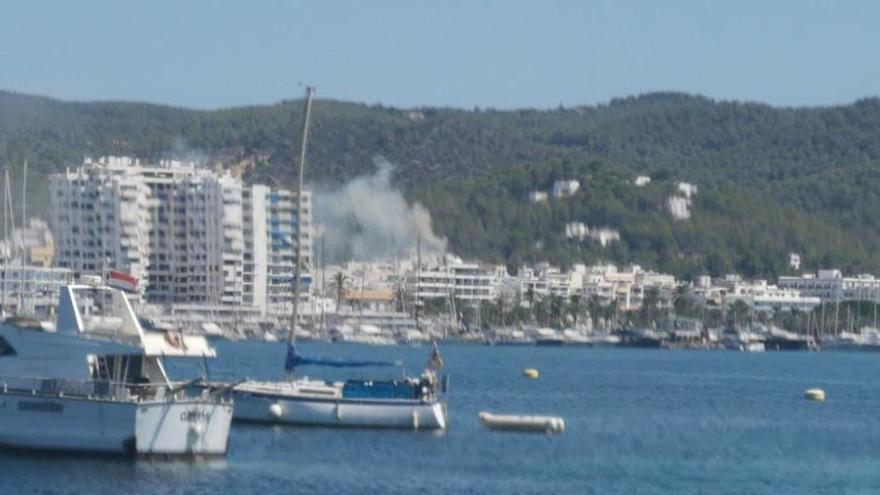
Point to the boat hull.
(355, 413)
(182, 428)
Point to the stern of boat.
(192, 427)
(439, 411)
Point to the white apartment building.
(191, 236)
(465, 282)
(763, 297)
(627, 287)
(545, 280)
(831, 286)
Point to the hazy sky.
(504, 53)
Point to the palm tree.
(682, 303)
(575, 308)
(556, 310)
(339, 281)
(594, 307)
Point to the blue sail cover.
(294, 359)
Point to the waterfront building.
(454, 278)
(192, 236)
(763, 297)
(627, 287)
(832, 286)
(545, 280)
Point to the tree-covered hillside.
(749, 230)
(771, 180)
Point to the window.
(5, 348)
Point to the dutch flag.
(122, 281)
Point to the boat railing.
(103, 389)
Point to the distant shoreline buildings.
(206, 248)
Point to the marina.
(577, 248)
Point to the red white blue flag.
(122, 281)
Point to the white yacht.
(97, 383)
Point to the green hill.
(771, 180)
(732, 228)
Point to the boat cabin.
(97, 339)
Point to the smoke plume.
(368, 219)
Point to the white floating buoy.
(531, 373)
(501, 422)
(816, 394)
(276, 410)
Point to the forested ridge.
(770, 180)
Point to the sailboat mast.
(23, 208)
(11, 216)
(418, 301)
(323, 287)
(8, 245)
(299, 190)
(24, 279)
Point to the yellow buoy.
(816, 394)
(531, 373)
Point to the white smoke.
(368, 219)
(182, 151)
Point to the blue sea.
(637, 421)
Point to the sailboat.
(409, 402)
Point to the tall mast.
(299, 190)
(23, 209)
(11, 216)
(323, 286)
(8, 245)
(23, 282)
(418, 278)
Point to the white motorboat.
(406, 403)
(743, 341)
(97, 384)
(867, 340)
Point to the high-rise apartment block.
(190, 235)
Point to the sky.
(491, 53)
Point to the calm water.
(637, 422)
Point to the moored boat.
(97, 384)
(416, 403)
